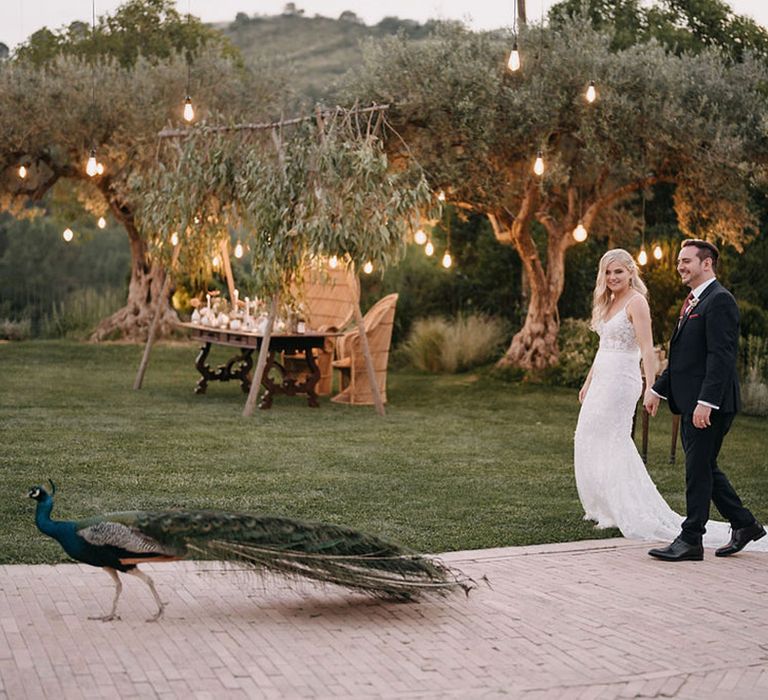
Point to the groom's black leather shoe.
(679, 550)
(740, 538)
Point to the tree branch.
(594, 209)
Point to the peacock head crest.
(38, 493)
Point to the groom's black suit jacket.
(702, 355)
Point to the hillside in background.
(319, 49)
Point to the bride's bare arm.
(640, 315)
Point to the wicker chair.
(355, 385)
(329, 298)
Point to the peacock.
(119, 542)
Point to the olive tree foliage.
(679, 25)
(82, 96)
(295, 194)
(476, 128)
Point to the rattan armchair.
(355, 385)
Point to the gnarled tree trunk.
(147, 277)
(534, 347)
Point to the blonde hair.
(602, 297)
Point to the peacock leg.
(145, 577)
(118, 589)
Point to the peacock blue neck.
(59, 530)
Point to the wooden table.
(239, 366)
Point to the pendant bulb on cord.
(189, 112)
(642, 257)
(580, 232)
(22, 171)
(513, 63)
(92, 167)
(658, 253)
(538, 166)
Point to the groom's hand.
(701, 416)
(651, 402)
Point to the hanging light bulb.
(658, 253)
(513, 64)
(91, 167)
(368, 268)
(189, 112)
(333, 262)
(174, 239)
(538, 166)
(420, 238)
(429, 248)
(441, 196)
(591, 94)
(642, 257)
(22, 171)
(68, 235)
(99, 168)
(239, 250)
(102, 222)
(446, 262)
(215, 262)
(580, 233)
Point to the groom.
(700, 383)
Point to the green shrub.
(440, 345)
(578, 345)
(80, 312)
(753, 320)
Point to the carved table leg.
(270, 388)
(237, 367)
(204, 369)
(312, 379)
(246, 363)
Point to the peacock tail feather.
(318, 551)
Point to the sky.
(20, 18)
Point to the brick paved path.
(597, 619)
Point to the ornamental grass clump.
(754, 389)
(439, 345)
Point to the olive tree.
(696, 122)
(113, 90)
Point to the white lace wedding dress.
(613, 484)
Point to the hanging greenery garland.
(297, 191)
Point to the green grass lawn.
(459, 462)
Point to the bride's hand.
(583, 393)
(651, 402)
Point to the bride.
(613, 484)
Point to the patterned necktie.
(685, 308)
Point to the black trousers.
(704, 482)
